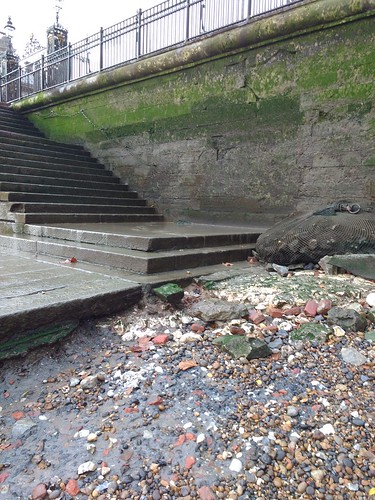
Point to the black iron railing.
(168, 24)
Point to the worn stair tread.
(46, 152)
(150, 237)
(64, 186)
(44, 218)
(40, 161)
(69, 190)
(70, 248)
(41, 139)
(113, 184)
(18, 196)
(45, 172)
(61, 208)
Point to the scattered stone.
(292, 411)
(39, 492)
(72, 487)
(310, 332)
(23, 428)
(74, 381)
(281, 270)
(86, 467)
(352, 356)
(311, 308)
(338, 331)
(370, 335)
(235, 465)
(348, 319)
(243, 347)
(218, 310)
(171, 292)
(161, 339)
(370, 299)
(89, 382)
(324, 306)
(327, 429)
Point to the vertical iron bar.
(249, 2)
(68, 69)
(138, 34)
(42, 75)
(187, 20)
(101, 50)
(19, 82)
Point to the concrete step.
(114, 186)
(133, 260)
(9, 119)
(55, 208)
(35, 294)
(51, 171)
(7, 138)
(6, 145)
(21, 129)
(73, 218)
(150, 237)
(17, 157)
(67, 190)
(127, 198)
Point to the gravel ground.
(145, 405)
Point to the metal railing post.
(249, 2)
(19, 82)
(138, 33)
(101, 58)
(69, 61)
(187, 20)
(42, 73)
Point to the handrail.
(168, 24)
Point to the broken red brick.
(324, 306)
(72, 487)
(205, 493)
(161, 339)
(256, 317)
(196, 327)
(189, 462)
(311, 308)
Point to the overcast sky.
(79, 17)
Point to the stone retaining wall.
(245, 126)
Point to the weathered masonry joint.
(247, 125)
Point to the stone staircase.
(57, 201)
(43, 182)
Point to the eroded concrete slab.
(35, 293)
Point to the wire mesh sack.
(342, 228)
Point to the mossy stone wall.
(247, 132)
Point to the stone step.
(21, 129)
(55, 208)
(127, 198)
(133, 260)
(56, 182)
(150, 237)
(52, 171)
(46, 151)
(35, 294)
(12, 137)
(68, 190)
(9, 119)
(17, 157)
(72, 218)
